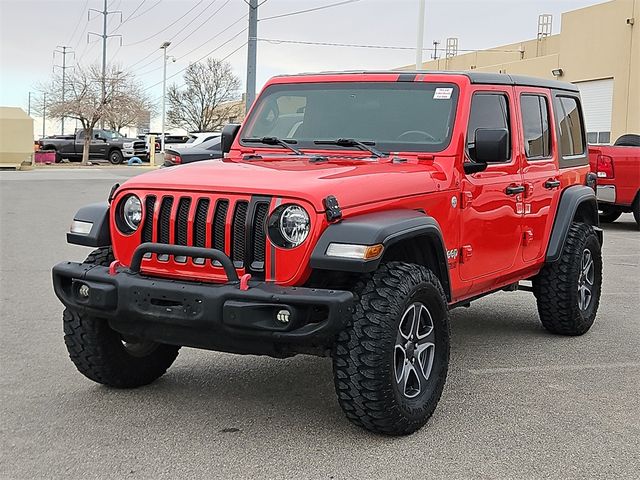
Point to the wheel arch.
(407, 235)
(577, 204)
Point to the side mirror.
(491, 145)
(228, 136)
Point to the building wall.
(16, 136)
(594, 43)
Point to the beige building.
(16, 137)
(598, 49)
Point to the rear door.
(491, 217)
(539, 169)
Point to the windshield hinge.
(332, 209)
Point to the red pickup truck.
(618, 170)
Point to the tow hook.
(113, 267)
(244, 281)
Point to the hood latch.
(332, 209)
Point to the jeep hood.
(351, 182)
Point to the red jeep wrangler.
(351, 212)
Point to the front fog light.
(289, 226)
(131, 213)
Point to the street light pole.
(252, 46)
(420, 39)
(44, 113)
(163, 47)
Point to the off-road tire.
(556, 286)
(636, 210)
(99, 353)
(363, 357)
(608, 214)
(116, 157)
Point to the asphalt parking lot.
(519, 403)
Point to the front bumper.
(129, 152)
(220, 317)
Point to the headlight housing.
(127, 145)
(129, 214)
(289, 226)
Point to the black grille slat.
(238, 237)
(147, 226)
(182, 221)
(259, 236)
(200, 223)
(219, 227)
(164, 220)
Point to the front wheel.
(390, 363)
(115, 157)
(568, 290)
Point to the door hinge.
(466, 199)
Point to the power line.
(161, 31)
(202, 24)
(86, 4)
(315, 9)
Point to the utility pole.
(65, 51)
(44, 113)
(164, 47)
(420, 39)
(251, 54)
(29, 105)
(105, 36)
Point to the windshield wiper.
(275, 141)
(350, 142)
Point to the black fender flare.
(386, 228)
(100, 234)
(573, 198)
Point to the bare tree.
(83, 98)
(133, 109)
(206, 101)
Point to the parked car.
(105, 145)
(618, 171)
(208, 150)
(401, 195)
(196, 139)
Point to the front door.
(539, 170)
(492, 205)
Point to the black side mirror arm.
(474, 167)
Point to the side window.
(488, 110)
(535, 126)
(571, 129)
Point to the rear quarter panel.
(626, 170)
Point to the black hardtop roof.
(474, 77)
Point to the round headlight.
(132, 212)
(289, 226)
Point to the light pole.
(163, 47)
(420, 39)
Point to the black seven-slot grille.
(248, 234)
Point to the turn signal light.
(604, 166)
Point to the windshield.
(399, 116)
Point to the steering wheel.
(428, 136)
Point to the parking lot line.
(555, 368)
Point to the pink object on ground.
(45, 157)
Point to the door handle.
(551, 184)
(514, 189)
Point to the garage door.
(597, 102)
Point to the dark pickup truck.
(105, 145)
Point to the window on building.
(599, 138)
(571, 130)
(535, 126)
(488, 110)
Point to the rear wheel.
(390, 364)
(104, 355)
(608, 214)
(568, 290)
(636, 210)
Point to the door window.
(488, 110)
(535, 126)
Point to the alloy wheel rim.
(414, 350)
(586, 279)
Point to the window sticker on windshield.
(442, 93)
